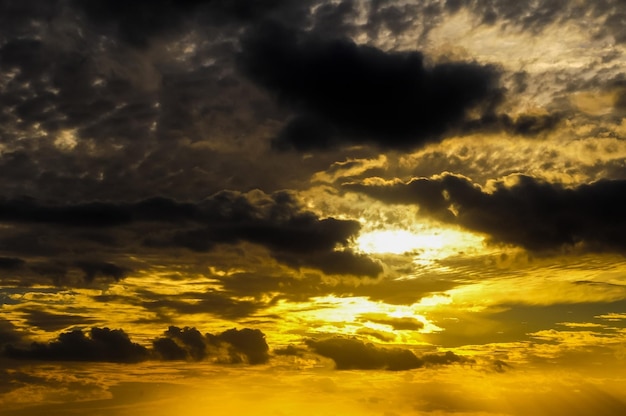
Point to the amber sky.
(312, 207)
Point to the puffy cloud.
(344, 93)
(185, 343)
(351, 353)
(231, 346)
(249, 343)
(519, 209)
(105, 345)
(536, 16)
(99, 344)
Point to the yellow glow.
(349, 315)
(433, 243)
(398, 241)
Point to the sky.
(350, 207)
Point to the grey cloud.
(351, 353)
(177, 344)
(246, 342)
(8, 333)
(521, 210)
(232, 346)
(290, 350)
(138, 22)
(345, 93)
(105, 345)
(99, 344)
(278, 222)
(303, 288)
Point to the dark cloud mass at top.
(520, 210)
(345, 93)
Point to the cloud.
(98, 345)
(61, 272)
(138, 22)
(8, 333)
(529, 125)
(93, 233)
(180, 344)
(11, 263)
(353, 354)
(398, 324)
(52, 321)
(350, 353)
(246, 342)
(232, 346)
(212, 302)
(290, 350)
(95, 268)
(344, 93)
(521, 210)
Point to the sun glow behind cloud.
(428, 244)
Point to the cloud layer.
(344, 93)
(519, 210)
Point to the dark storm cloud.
(335, 262)
(278, 222)
(99, 344)
(232, 346)
(11, 263)
(351, 353)
(344, 93)
(180, 344)
(519, 210)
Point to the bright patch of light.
(426, 244)
(399, 241)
